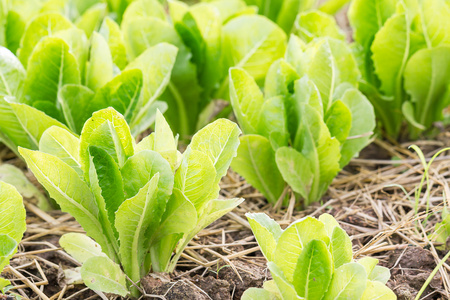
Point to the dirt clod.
(182, 290)
(252, 276)
(410, 269)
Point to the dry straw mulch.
(224, 259)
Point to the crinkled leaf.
(426, 81)
(156, 64)
(280, 79)
(435, 22)
(75, 102)
(195, 177)
(12, 134)
(3, 283)
(78, 44)
(314, 270)
(294, 239)
(266, 232)
(247, 100)
(122, 93)
(110, 31)
(331, 63)
(34, 121)
(253, 42)
(109, 180)
(62, 144)
(376, 290)
(339, 121)
(313, 24)
(286, 289)
(69, 191)
(144, 8)
(349, 282)
(380, 274)
(133, 218)
(330, 223)
(99, 69)
(390, 61)
(367, 17)
(341, 247)
(141, 167)
(80, 246)
(273, 122)
(219, 140)
(362, 125)
(40, 27)
(91, 18)
(100, 273)
(296, 170)
(108, 130)
(255, 159)
(52, 58)
(12, 74)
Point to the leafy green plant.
(140, 203)
(60, 78)
(403, 48)
(308, 124)
(12, 225)
(312, 259)
(211, 37)
(284, 12)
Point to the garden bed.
(224, 260)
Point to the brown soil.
(410, 268)
(380, 220)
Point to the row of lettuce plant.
(60, 78)
(68, 69)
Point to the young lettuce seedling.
(308, 124)
(12, 225)
(404, 54)
(312, 259)
(143, 203)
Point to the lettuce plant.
(284, 12)
(12, 225)
(143, 203)
(61, 77)
(313, 259)
(404, 53)
(307, 125)
(211, 37)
